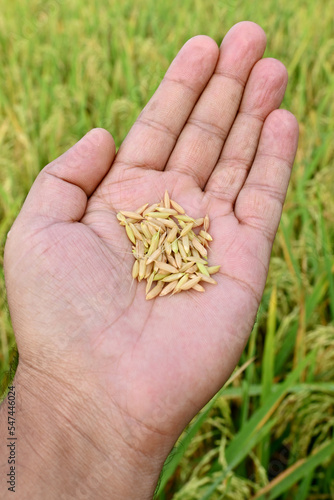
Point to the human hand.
(131, 372)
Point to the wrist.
(66, 454)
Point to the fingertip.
(249, 31)
(203, 42)
(195, 61)
(61, 189)
(282, 123)
(203, 50)
(265, 87)
(101, 138)
(245, 41)
(274, 69)
(286, 116)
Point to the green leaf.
(257, 426)
(176, 455)
(295, 473)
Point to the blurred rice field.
(66, 67)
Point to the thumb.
(61, 189)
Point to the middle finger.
(201, 141)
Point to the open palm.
(213, 137)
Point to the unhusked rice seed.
(168, 248)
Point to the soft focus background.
(66, 67)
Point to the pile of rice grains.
(166, 248)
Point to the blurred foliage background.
(66, 67)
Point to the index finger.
(152, 138)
